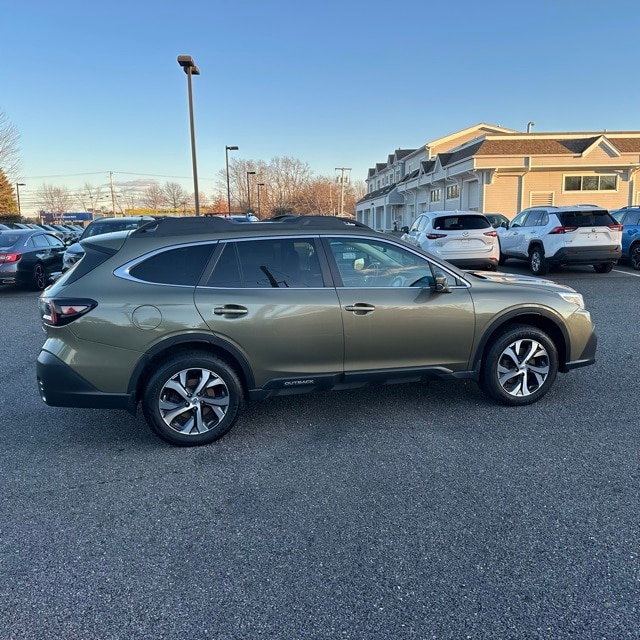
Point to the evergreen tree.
(8, 202)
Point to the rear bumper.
(586, 255)
(60, 386)
(476, 263)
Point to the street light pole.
(190, 68)
(249, 173)
(260, 184)
(18, 185)
(226, 153)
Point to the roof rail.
(296, 220)
(170, 226)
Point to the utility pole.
(342, 180)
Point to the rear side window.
(600, 218)
(180, 266)
(457, 223)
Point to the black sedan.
(29, 257)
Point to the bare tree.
(89, 197)
(9, 148)
(176, 197)
(153, 197)
(55, 200)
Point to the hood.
(517, 279)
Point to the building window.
(453, 192)
(435, 195)
(591, 183)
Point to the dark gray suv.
(190, 317)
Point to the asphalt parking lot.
(411, 511)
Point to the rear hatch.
(591, 227)
(464, 234)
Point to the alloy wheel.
(523, 367)
(193, 401)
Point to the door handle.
(230, 310)
(360, 308)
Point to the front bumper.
(587, 357)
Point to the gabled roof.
(377, 193)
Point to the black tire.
(38, 277)
(192, 399)
(634, 256)
(537, 262)
(519, 366)
(502, 259)
(606, 267)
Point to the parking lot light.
(190, 68)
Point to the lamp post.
(249, 173)
(226, 154)
(18, 185)
(190, 68)
(260, 184)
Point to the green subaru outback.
(190, 317)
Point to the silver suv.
(189, 317)
(546, 236)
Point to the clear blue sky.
(95, 87)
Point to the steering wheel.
(398, 281)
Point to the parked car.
(629, 218)
(4, 227)
(29, 257)
(576, 235)
(497, 220)
(97, 227)
(463, 238)
(192, 316)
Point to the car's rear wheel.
(520, 366)
(634, 256)
(38, 277)
(603, 268)
(537, 262)
(192, 399)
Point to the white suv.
(464, 238)
(546, 236)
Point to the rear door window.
(461, 222)
(290, 263)
(589, 218)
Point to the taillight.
(557, 230)
(10, 257)
(493, 234)
(616, 227)
(58, 312)
(435, 236)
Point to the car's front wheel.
(520, 366)
(537, 263)
(192, 399)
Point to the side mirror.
(442, 285)
(404, 229)
(505, 225)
